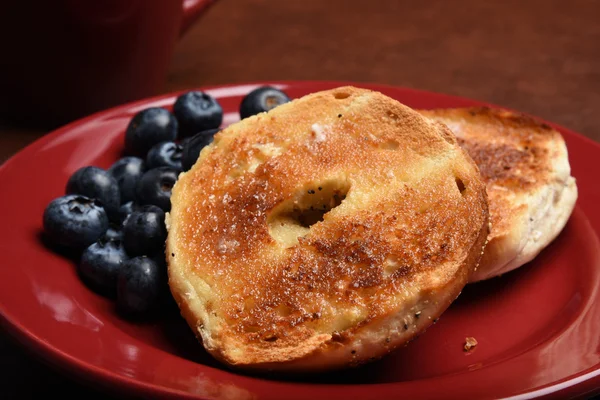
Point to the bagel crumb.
(470, 343)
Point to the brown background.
(541, 57)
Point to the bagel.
(324, 233)
(525, 166)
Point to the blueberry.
(165, 154)
(127, 171)
(139, 286)
(197, 111)
(144, 232)
(260, 100)
(184, 141)
(155, 187)
(74, 221)
(100, 265)
(114, 232)
(193, 146)
(96, 183)
(148, 127)
(125, 210)
(161, 261)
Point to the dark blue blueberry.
(139, 286)
(260, 100)
(144, 232)
(165, 154)
(98, 184)
(114, 232)
(197, 111)
(185, 140)
(100, 265)
(155, 187)
(161, 261)
(127, 171)
(148, 127)
(74, 221)
(193, 146)
(125, 210)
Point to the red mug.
(63, 59)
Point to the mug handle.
(191, 11)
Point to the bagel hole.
(294, 217)
(341, 95)
(461, 186)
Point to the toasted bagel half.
(324, 233)
(525, 166)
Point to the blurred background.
(537, 56)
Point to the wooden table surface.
(537, 56)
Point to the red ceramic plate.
(538, 327)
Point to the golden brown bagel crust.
(525, 166)
(266, 285)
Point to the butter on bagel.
(525, 166)
(324, 233)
